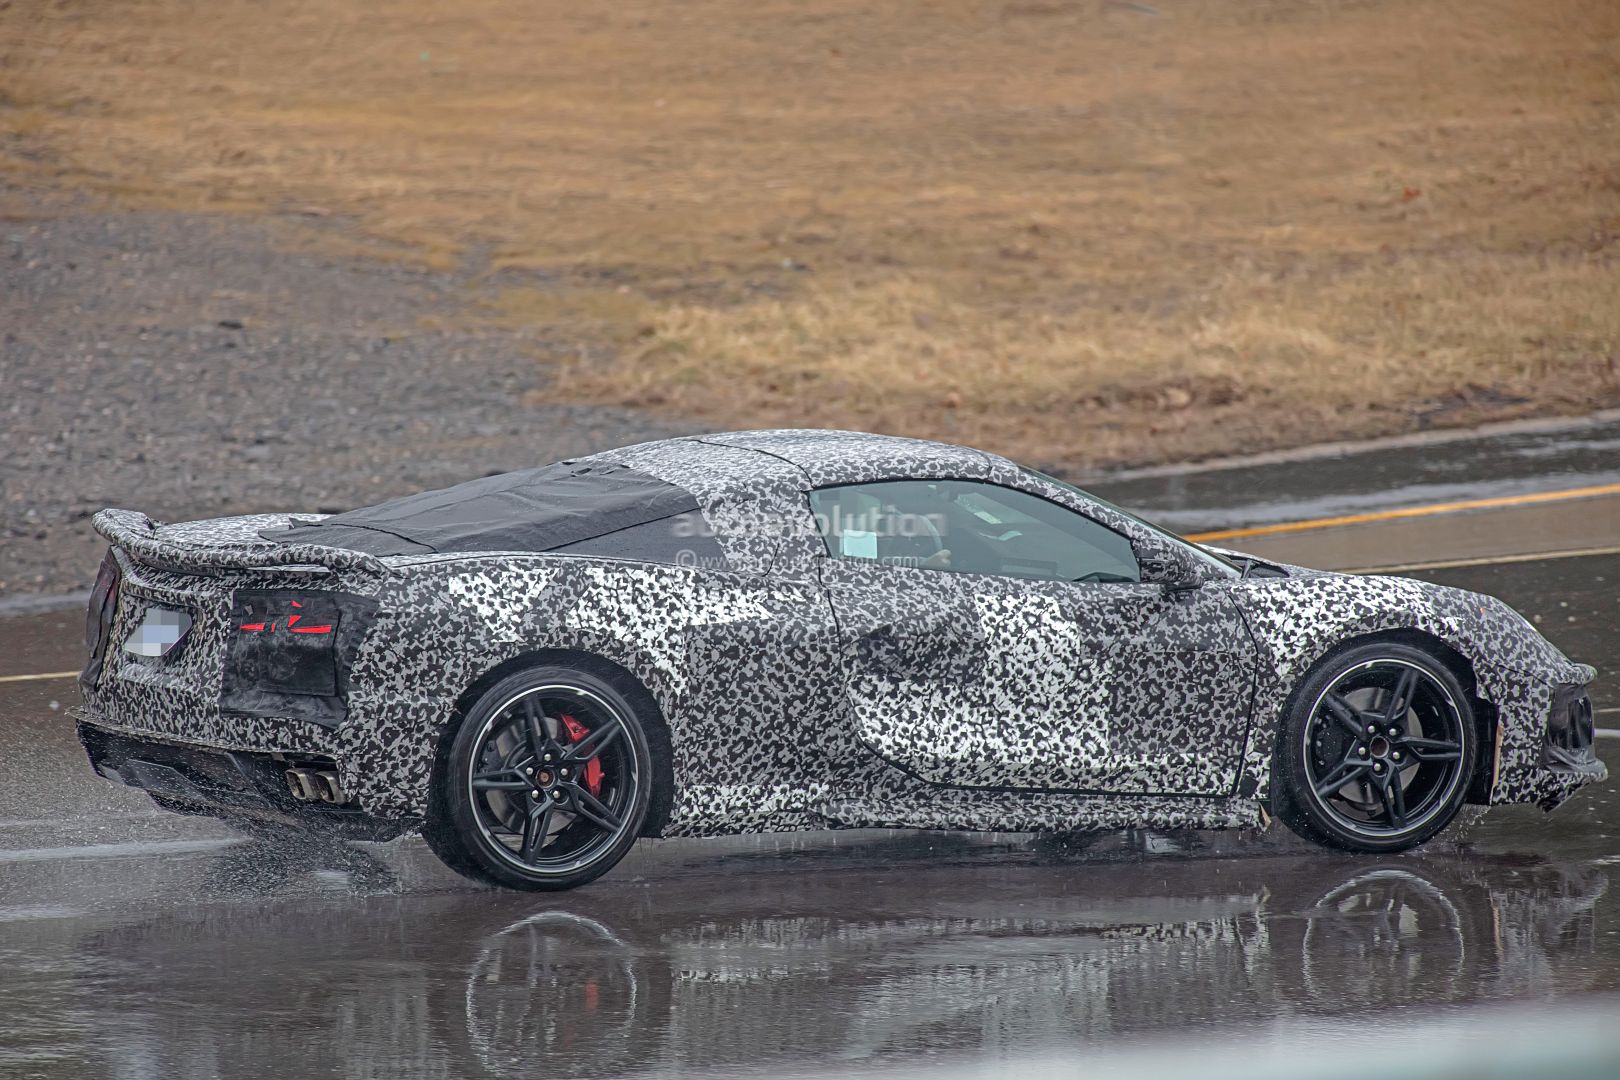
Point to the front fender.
(1297, 620)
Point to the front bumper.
(1569, 758)
(1544, 746)
(1557, 780)
(233, 785)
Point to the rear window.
(553, 508)
(682, 540)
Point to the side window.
(970, 528)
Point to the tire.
(547, 781)
(1376, 751)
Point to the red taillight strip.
(292, 625)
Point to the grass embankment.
(1078, 232)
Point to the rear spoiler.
(137, 534)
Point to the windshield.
(1203, 553)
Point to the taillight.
(288, 652)
(98, 619)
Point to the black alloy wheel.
(1377, 750)
(546, 783)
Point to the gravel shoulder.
(193, 366)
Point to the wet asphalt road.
(139, 944)
(1438, 467)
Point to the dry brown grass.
(1073, 231)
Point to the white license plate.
(160, 630)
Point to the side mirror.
(1172, 569)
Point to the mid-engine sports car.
(779, 630)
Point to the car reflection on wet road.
(786, 967)
(140, 944)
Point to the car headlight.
(1570, 726)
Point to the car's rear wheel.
(546, 782)
(1376, 750)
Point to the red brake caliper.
(593, 768)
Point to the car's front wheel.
(546, 782)
(1376, 750)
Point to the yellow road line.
(1487, 560)
(36, 678)
(1409, 512)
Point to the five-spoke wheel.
(1377, 750)
(546, 783)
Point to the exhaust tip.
(316, 785)
(331, 791)
(299, 783)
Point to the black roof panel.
(529, 510)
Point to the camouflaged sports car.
(791, 630)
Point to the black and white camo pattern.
(802, 691)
